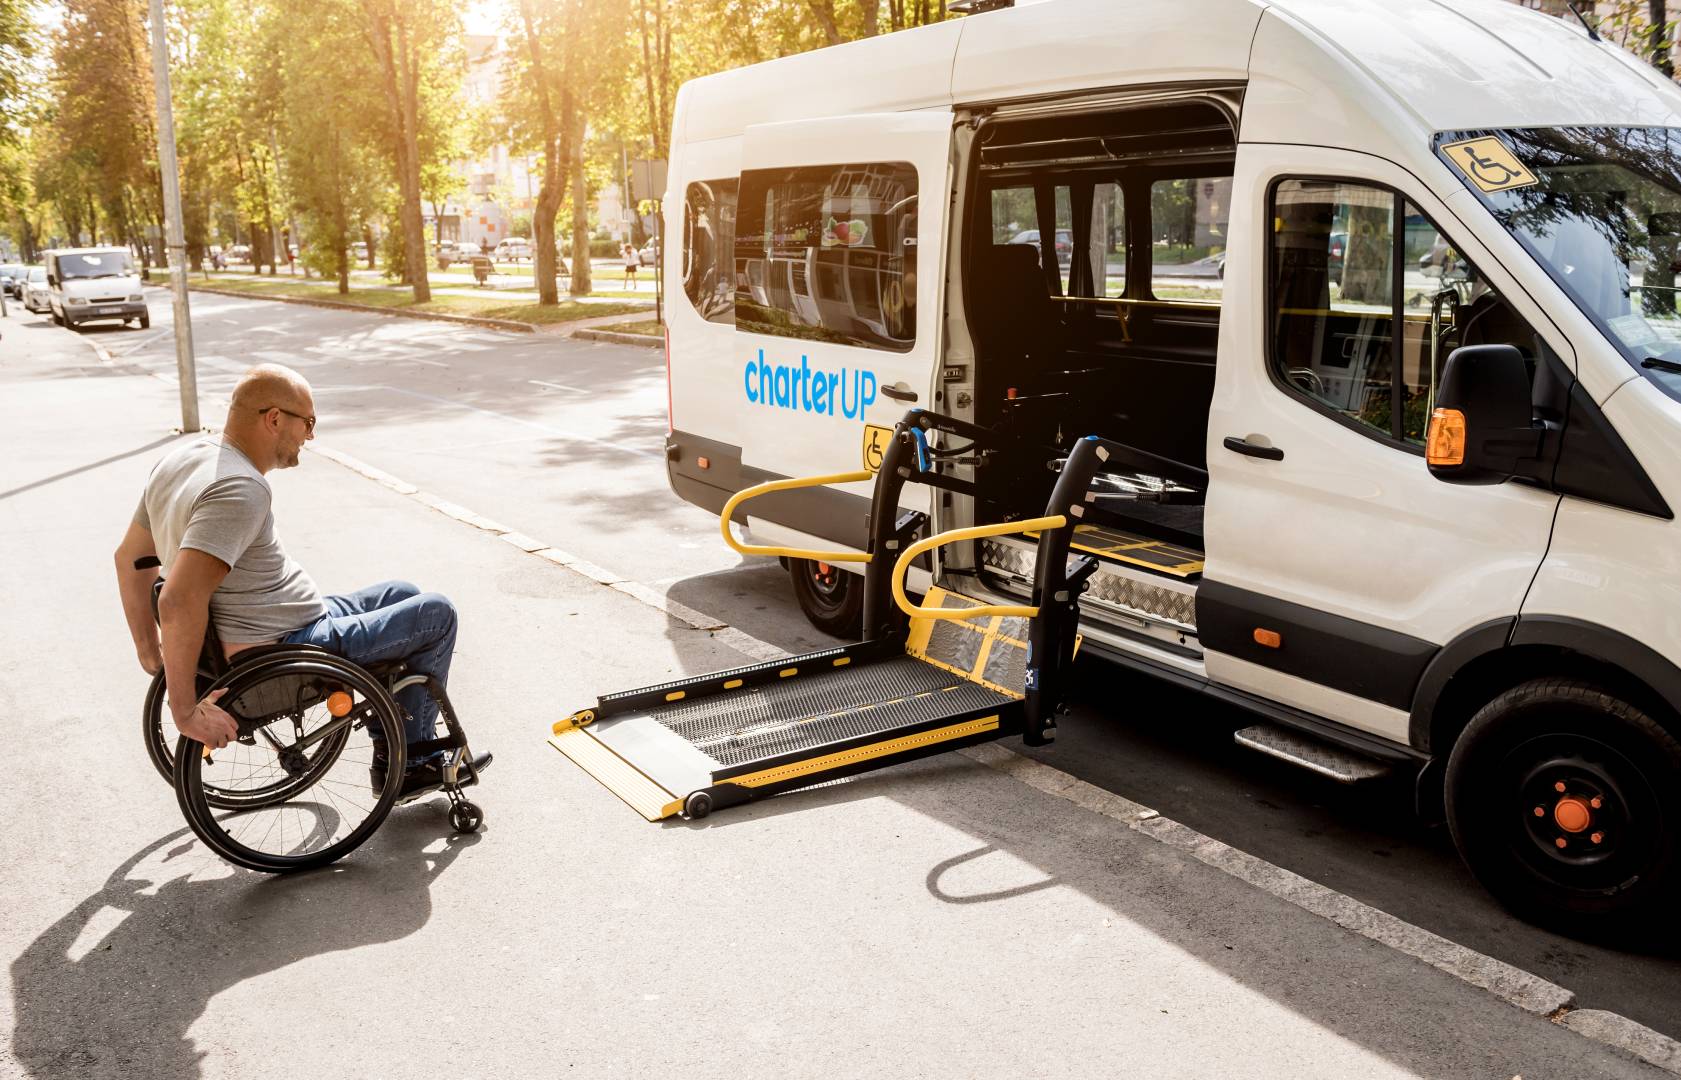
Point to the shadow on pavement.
(66, 474)
(113, 987)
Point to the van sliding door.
(838, 277)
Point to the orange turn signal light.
(704, 462)
(338, 703)
(1445, 444)
(1272, 639)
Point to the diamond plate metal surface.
(1140, 597)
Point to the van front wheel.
(831, 598)
(1565, 801)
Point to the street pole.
(184, 364)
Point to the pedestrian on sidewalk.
(206, 514)
(633, 263)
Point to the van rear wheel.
(1565, 801)
(832, 598)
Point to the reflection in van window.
(1334, 308)
(103, 264)
(828, 253)
(1603, 216)
(708, 244)
(1188, 220)
(1015, 216)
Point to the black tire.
(57, 319)
(1606, 779)
(258, 835)
(146, 321)
(831, 598)
(161, 738)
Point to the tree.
(547, 95)
(327, 149)
(415, 43)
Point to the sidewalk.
(940, 919)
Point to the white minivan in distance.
(94, 285)
(1390, 293)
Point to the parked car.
(12, 276)
(454, 251)
(94, 284)
(239, 253)
(650, 252)
(514, 249)
(1064, 242)
(35, 296)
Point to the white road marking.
(557, 386)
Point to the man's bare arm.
(184, 610)
(136, 589)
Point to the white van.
(1299, 230)
(93, 285)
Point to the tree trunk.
(344, 269)
(1660, 33)
(401, 71)
(872, 16)
(549, 192)
(824, 12)
(581, 284)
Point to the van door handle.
(1249, 449)
(899, 395)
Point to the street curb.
(647, 341)
(339, 305)
(1521, 989)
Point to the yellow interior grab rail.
(788, 485)
(1038, 524)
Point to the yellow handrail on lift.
(1039, 524)
(788, 485)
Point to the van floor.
(1118, 545)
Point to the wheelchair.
(298, 788)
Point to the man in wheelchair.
(206, 516)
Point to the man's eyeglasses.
(309, 421)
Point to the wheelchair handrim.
(198, 800)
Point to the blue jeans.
(391, 621)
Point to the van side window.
(1351, 263)
(828, 253)
(1188, 220)
(708, 248)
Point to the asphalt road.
(561, 440)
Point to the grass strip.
(401, 299)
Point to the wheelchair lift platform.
(707, 742)
(960, 672)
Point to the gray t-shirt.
(209, 497)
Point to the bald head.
(271, 416)
(268, 385)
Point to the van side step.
(1343, 766)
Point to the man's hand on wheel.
(208, 724)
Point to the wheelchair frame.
(215, 670)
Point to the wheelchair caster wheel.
(697, 806)
(465, 817)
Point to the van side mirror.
(1483, 429)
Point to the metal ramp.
(958, 672)
(691, 746)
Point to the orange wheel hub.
(1572, 814)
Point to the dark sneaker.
(429, 776)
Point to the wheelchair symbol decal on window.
(1489, 164)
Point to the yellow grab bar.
(1039, 524)
(788, 485)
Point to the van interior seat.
(1021, 328)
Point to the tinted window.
(1335, 305)
(828, 253)
(1108, 240)
(1188, 221)
(708, 239)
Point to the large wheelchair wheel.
(157, 728)
(297, 789)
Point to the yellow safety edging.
(788, 485)
(1056, 521)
